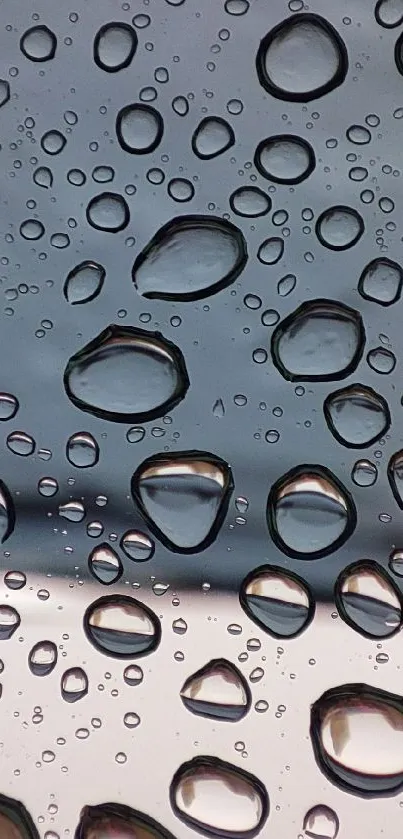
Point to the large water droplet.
(219, 799)
(7, 513)
(109, 212)
(357, 734)
(15, 821)
(395, 476)
(321, 822)
(285, 159)
(381, 281)
(84, 282)
(301, 58)
(127, 374)
(74, 684)
(339, 228)
(310, 513)
(218, 690)
(356, 415)
(139, 128)
(278, 601)
(38, 43)
(322, 340)
(368, 600)
(183, 497)
(114, 46)
(82, 450)
(42, 658)
(105, 564)
(117, 821)
(212, 137)
(190, 258)
(137, 546)
(389, 13)
(122, 627)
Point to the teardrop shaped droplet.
(15, 821)
(21, 443)
(43, 177)
(219, 799)
(395, 476)
(38, 43)
(137, 545)
(339, 228)
(82, 450)
(212, 137)
(271, 250)
(122, 627)
(322, 340)
(42, 658)
(117, 821)
(74, 684)
(321, 822)
(9, 622)
(250, 202)
(309, 512)
(139, 128)
(218, 690)
(7, 513)
(109, 212)
(127, 374)
(285, 159)
(278, 601)
(114, 46)
(84, 282)
(357, 416)
(368, 600)
(381, 360)
(190, 258)
(105, 565)
(357, 735)
(381, 281)
(184, 497)
(301, 58)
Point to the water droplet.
(250, 201)
(212, 137)
(103, 174)
(285, 159)
(133, 675)
(218, 690)
(76, 177)
(183, 497)
(32, 229)
(395, 476)
(48, 487)
(4, 92)
(271, 250)
(21, 443)
(309, 512)
(7, 513)
(8, 406)
(84, 282)
(381, 360)
(286, 285)
(118, 821)
(135, 435)
(321, 822)
(302, 58)
(322, 340)
(356, 415)
(396, 562)
(219, 409)
(105, 564)
(109, 212)
(15, 580)
(43, 177)
(358, 134)
(53, 142)
(9, 622)
(122, 627)
(38, 43)
(381, 281)
(137, 545)
(139, 128)
(216, 798)
(82, 450)
(339, 228)
(278, 601)
(236, 7)
(127, 374)
(189, 258)
(389, 13)
(368, 601)
(180, 189)
(131, 720)
(364, 473)
(180, 105)
(42, 658)
(179, 626)
(114, 46)
(72, 511)
(74, 684)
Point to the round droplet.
(218, 690)
(21, 443)
(137, 545)
(368, 601)
(381, 281)
(212, 137)
(322, 340)
(74, 684)
(103, 174)
(301, 58)
(38, 43)
(105, 565)
(133, 675)
(278, 601)
(122, 627)
(72, 511)
(236, 7)
(364, 473)
(309, 512)
(356, 415)
(9, 622)
(381, 360)
(109, 212)
(114, 46)
(139, 128)
(76, 177)
(42, 658)
(117, 821)
(184, 497)
(131, 720)
(181, 190)
(48, 487)
(190, 258)
(53, 142)
(8, 406)
(250, 201)
(84, 282)
(285, 159)
(43, 177)
(271, 250)
(321, 822)
(389, 13)
(395, 476)
(358, 134)
(15, 580)
(339, 228)
(127, 374)
(82, 450)
(32, 229)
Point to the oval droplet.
(218, 799)
(84, 282)
(322, 340)
(381, 360)
(122, 627)
(127, 374)
(8, 406)
(286, 285)
(309, 512)
(105, 565)
(358, 134)
(9, 622)
(368, 601)
(114, 46)
(139, 128)
(183, 497)
(74, 684)
(339, 228)
(190, 258)
(82, 450)
(364, 473)
(218, 690)
(109, 212)
(7, 513)
(212, 137)
(301, 58)
(42, 658)
(117, 821)
(137, 545)
(250, 202)
(357, 416)
(389, 13)
(285, 159)
(395, 476)
(15, 821)
(271, 250)
(321, 822)
(72, 511)
(15, 580)
(38, 43)
(48, 487)
(357, 734)
(381, 281)
(21, 443)
(278, 601)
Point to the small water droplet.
(139, 128)
(72, 511)
(53, 142)
(133, 675)
(42, 658)
(250, 202)
(381, 360)
(179, 626)
(43, 177)
(356, 415)
(339, 228)
(108, 212)
(122, 627)
(285, 159)
(32, 229)
(180, 189)
(38, 43)
(286, 285)
(8, 406)
(137, 545)
(84, 282)
(278, 601)
(21, 443)
(114, 46)
(48, 487)
(218, 690)
(381, 281)
(358, 134)
(212, 137)
(364, 473)
(74, 684)
(82, 450)
(389, 13)
(105, 565)
(180, 105)
(321, 822)
(9, 622)
(271, 251)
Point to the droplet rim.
(87, 263)
(148, 109)
(122, 599)
(283, 573)
(371, 394)
(342, 208)
(391, 264)
(371, 565)
(101, 32)
(286, 138)
(206, 668)
(201, 126)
